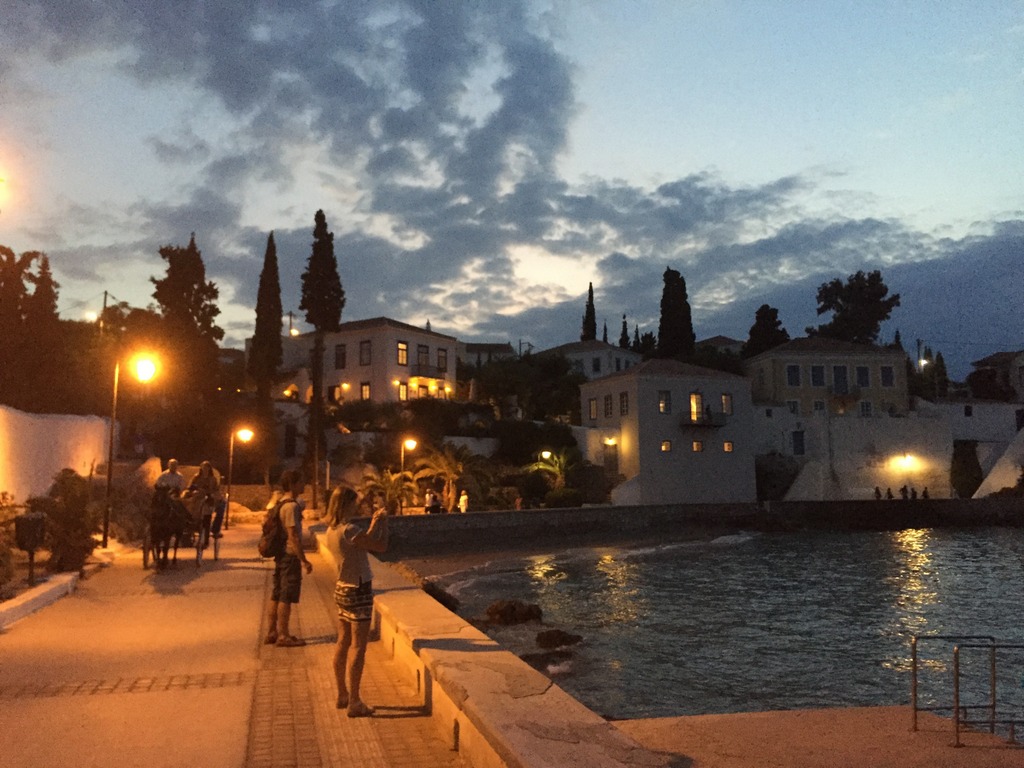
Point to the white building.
(594, 358)
(379, 359)
(677, 433)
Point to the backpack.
(273, 536)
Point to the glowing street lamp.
(245, 435)
(144, 368)
(407, 445)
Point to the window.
(623, 403)
(793, 375)
(365, 350)
(664, 401)
(727, 404)
(798, 443)
(819, 406)
(339, 357)
(817, 375)
(865, 408)
(767, 413)
(840, 380)
(422, 356)
(727, 446)
(592, 406)
(696, 407)
(698, 446)
(595, 365)
(793, 406)
(403, 353)
(863, 376)
(608, 412)
(666, 446)
(423, 391)
(968, 410)
(403, 391)
(618, 363)
(888, 376)
(364, 390)
(442, 360)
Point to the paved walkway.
(139, 668)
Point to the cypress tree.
(675, 330)
(766, 332)
(265, 352)
(604, 333)
(624, 336)
(589, 330)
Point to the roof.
(996, 360)
(720, 341)
(660, 368)
(818, 344)
(488, 346)
(383, 322)
(591, 345)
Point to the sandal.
(270, 639)
(289, 641)
(360, 709)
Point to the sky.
(480, 163)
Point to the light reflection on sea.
(766, 621)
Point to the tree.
(859, 307)
(323, 299)
(624, 335)
(675, 330)
(766, 332)
(556, 465)
(396, 488)
(589, 330)
(604, 333)
(265, 351)
(448, 464)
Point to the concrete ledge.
(54, 588)
(491, 706)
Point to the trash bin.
(29, 531)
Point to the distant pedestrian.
(888, 494)
(433, 503)
(464, 502)
(519, 502)
(924, 493)
(353, 594)
(913, 494)
(878, 493)
(904, 493)
(288, 566)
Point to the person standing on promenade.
(289, 564)
(464, 503)
(353, 594)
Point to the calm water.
(767, 621)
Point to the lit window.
(664, 401)
(592, 408)
(727, 446)
(793, 375)
(727, 404)
(403, 353)
(666, 446)
(698, 446)
(623, 403)
(696, 407)
(364, 390)
(403, 391)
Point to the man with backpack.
(289, 560)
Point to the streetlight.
(144, 369)
(410, 445)
(245, 435)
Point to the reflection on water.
(756, 622)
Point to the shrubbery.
(71, 521)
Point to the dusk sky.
(481, 162)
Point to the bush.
(7, 513)
(71, 521)
(563, 497)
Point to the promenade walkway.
(139, 668)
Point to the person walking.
(289, 564)
(464, 503)
(353, 594)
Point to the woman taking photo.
(353, 594)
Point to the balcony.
(428, 371)
(704, 420)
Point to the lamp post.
(144, 368)
(245, 435)
(407, 444)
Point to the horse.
(169, 519)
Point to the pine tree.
(624, 336)
(859, 307)
(323, 300)
(589, 330)
(766, 332)
(675, 330)
(265, 352)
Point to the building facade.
(379, 359)
(677, 433)
(595, 359)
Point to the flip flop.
(360, 709)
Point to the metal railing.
(960, 711)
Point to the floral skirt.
(354, 603)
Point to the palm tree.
(447, 464)
(397, 488)
(555, 465)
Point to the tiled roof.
(819, 344)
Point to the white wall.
(34, 448)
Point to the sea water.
(768, 621)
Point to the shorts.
(354, 603)
(287, 579)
